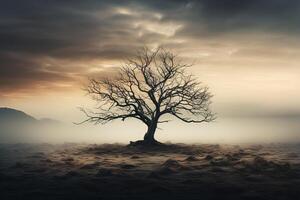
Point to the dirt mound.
(90, 166)
(220, 161)
(169, 167)
(126, 166)
(170, 163)
(191, 159)
(260, 164)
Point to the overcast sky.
(246, 51)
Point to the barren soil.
(113, 171)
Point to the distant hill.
(16, 116)
(13, 115)
(17, 126)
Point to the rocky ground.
(112, 171)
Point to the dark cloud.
(215, 17)
(19, 73)
(31, 31)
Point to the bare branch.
(153, 84)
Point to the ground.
(113, 171)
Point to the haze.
(247, 52)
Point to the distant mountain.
(13, 115)
(16, 116)
(16, 125)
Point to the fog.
(223, 130)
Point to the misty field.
(113, 171)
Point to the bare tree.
(149, 88)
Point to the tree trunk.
(149, 139)
(149, 136)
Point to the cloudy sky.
(247, 52)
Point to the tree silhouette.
(150, 87)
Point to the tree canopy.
(150, 87)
